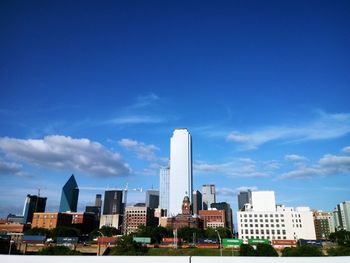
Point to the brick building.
(136, 216)
(51, 220)
(212, 218)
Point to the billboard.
(227, 242)
(310, 242)
(207, 241)
(67, 240)
(258, 241)
(284, 242)
(142, 240)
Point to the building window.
(267, 225)
(277, 225)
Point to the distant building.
(152, 199)
(14, 219)
(185, 219)
(197, 202)
(85, 222)
(51, 220)
(208, 195)
(342, 216)
(32, 204)
(324, 224)
(180, 170)
(164, 177)
(69, 196)
(244, 197)
(13, 227)
(113, 203)
(262, 219)
(228, 214)
(111, 221)
(212, 218)
(136, 216)
(98, 200)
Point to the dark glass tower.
(113, 203)
(33, 204)
(152, 199)
(69, 197)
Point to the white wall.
(264, 201)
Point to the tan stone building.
(136, 216)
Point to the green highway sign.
(258, 241)
(227, 242)
(143, 240)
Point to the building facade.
(51, 220)
(136, 216)
(228, 214)
(164, 177)
(111, 221)
(212, 218)
(197, 202)
(32, 204)
(272, 222)
(180, 182)
(208, 195)
(244, 197)
(69, 196)
(324, 224)
(342, 216)
(152, 199)
(113, 202)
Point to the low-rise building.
(111, 221)
(212, 218)
(136, 216)
(51, 220)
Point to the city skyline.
(97, 89)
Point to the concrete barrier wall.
(161, 259)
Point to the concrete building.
(136, 216)
(208, 195)
(244, 197)
(197, 202)
(51, 220)
(69, 196)
(152, 199)
(113, 202)
(85, 222)
(228, 214)
(98, 200)
(180, 182)
(265, 220)
(324, 224)
(164, 177)
(32, 204)
(342, 216)
(212, 218)
(111, 221)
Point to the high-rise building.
(272, 222)
(136, 216)
(228, 213)
(324, 224)
(342, 216)
(69, 196)
(152, 199)
(197, 202)
(208, 195)
(244, 197)
(32, 204)
(164, 176)
(113, 203)
(180, 170)
(98, 200)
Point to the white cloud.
(346, 149)
(11, 168)
(325, 126)
(295, 158)
(136, 119)
(142, 150)
(66, 153)
(145, 101)
(328, 165)
(224, 191)
(241, 167)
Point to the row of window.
(264, 237)
(263, 231)
(261, 215)
(266, 220)
(266, 225)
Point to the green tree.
(64, 232)
(342, 237)
(58, 250)
(109, 231)
(5, 247)
(265, 250)
(246, 250)
(302, 251)
(126, 246)
(211, 232)
(37, 231)
(339, 251)
(155, 233)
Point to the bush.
(265, 250)
(339, 251)
(302, 251)
(126, 246)
(246, 250)
(58, 250)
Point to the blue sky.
(95, 88)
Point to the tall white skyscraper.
(180, 170)
(208, 195)
(164, 175)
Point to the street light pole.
(217, 232)
(99, 245)
(11, 242)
